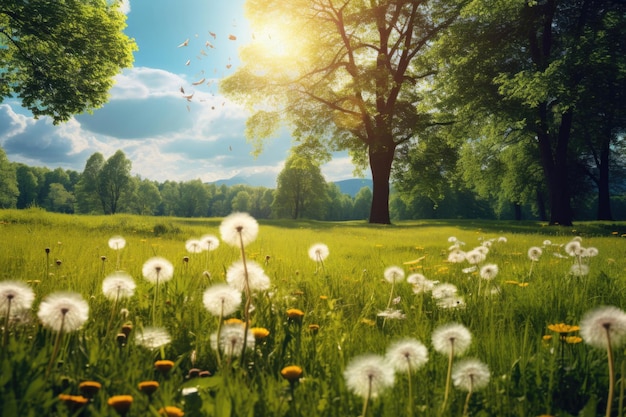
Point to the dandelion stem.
(246, 311)
(219, 335)
(609, 400)
(410, 399)
(367, 398)
(621, 390)
(5, 335)
(57, 345)
(448, 378)
(117, 296)
(469, 395)
(154, 299)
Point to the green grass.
(529, 376)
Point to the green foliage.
(8, 182)
(531, 374)
(59, 58)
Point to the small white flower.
(15, 295)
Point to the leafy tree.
(113, 180)
(8, 182)
(362, 200)
(148, 197)
(241, 202)
(194, 199)
(28, 185)
(170, 194)
(59, 58)
(340, 205)
(60, 200)
(301, 189)
(88, 192)
(351, 79)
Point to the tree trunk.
(604, 193)
(381, 159)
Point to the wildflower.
(470, 375)
(295, 314)
(63, 311)
(221, 299)
(164, 365)
(89, 388)
(231, 340)
(456, 256)
(209, 242)
(257, 280)
(602, 326)
(314, 328)
(605, 327)
(291, 373)
(563, 329)
(572, 340)
(259, 332)
(484, 249)
(148, 387)
(117, 242)
(152, 337)
(318, 252)
(445, 290)
(572, 247)
(451, 302)
(193, 246)
(368, 375)
(591, 252)
(118, 285)
(121, 403)
(234, 320)
(157, 270)
(469, 269)
(407, 355)
(420, 283)
(15, 296)
(451, 338)
(73, 402)
(171, 411)
(502, 239)
(393, 274)
(239, 229)
(547, 243)
(534, 253)
(475, 257)
(391, 313)
(489, 272)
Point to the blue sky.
(166, 136)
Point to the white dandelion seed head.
(221, 299)
(592, 251)
(157, 270)
(391, 313)
(444, 290)
(487, 244)
(452, 239)
(489, 272)
(451, 302)
(407, 355)
(601, 324)
(547, 242)
(16, 293)
(534, 253)
(456, 256)
(117, 242)
(231, 340)
(209, 242)
(577, 239)
(475, 257)
(194, 246)
(482, 249)
(239, 228)
(571, 247)
(66, 311)
(318, 252)
(257, 279)
(393, 274)
(470, 374)
(415, 278)
(451, 337)
(118, 285)
(469, 269)
(580, 251)
(579, 270)
(502, 239)
(368, 374)
(152, 337)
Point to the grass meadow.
(348, 309)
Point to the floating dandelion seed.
(239, 272)
(152, 337)
(239, 229)
(605, 327)
(221, 299)
(368, 376)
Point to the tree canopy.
(345, 71)
(59, 57)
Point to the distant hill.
(353, 185)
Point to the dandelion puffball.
(407, 355)
(470, 375)
(209, 242)
(15, 295)
(534, 253)
(393, 274)
(239, 229)
(369, 374)
(602, 324)
(152, 337)
(452, 337)
(157, 270)
(117, 242)
(63, 311)
(118, 285)
(221, 299)
(193, 246)
(318, 252)
(232, 340)
(257, 280)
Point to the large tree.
(114, 179)
(531, 68)
(344, 70)
(8, 182)
(59, 57)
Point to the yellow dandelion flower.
(615, 233)
(546, 337)
(259, 332)
(323, 297)
(148, 387)
(73, 401)
(121, 403)
(522, 284)
(164, 365)
(233, 320)
(314, 328)
(295, 314)
(298, 292)
(511, 282)
(171, 411)
(368, 322)
(291, 373)
(415, 261)
(572, 340)
(563, 328)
